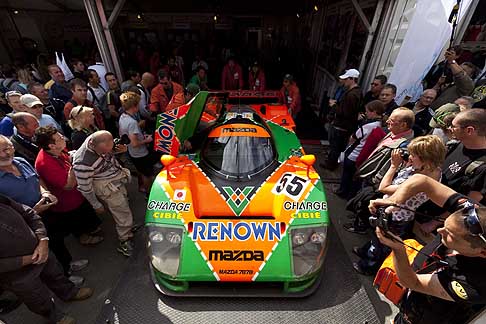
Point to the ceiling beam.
(361, 14)
(116, 11)
(58, 5)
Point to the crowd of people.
(426, 162)
(60, 169)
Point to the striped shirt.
(89, 166)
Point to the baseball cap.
(351, 73)
(443, 111)
(30, 100)
(289, 77)
(9, 94)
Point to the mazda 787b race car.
(243, 212)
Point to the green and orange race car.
(244, 213)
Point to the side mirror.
(167, 160)
(309, 160)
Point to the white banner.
(428, 33)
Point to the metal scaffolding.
(103, 35)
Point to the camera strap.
(429, 256)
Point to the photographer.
(425, 156)
(462, 83)
(101, 179)
(450, 291)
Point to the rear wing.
(248, 97)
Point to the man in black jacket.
(450, 287)
(345, 117)
(27, 268)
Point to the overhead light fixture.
(16, 12)
(298, 16)
(215, 18)
(139, 16)
(316, 8)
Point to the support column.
(103, 36)
(371, 34)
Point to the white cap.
(30, 100)
(351, 73)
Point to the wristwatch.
(44, 239)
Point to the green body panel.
(286, 142)
(186, 126)
(317, 194)
(192, 266)
(279, 266)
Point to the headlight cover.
(308, 245)
(164, 248)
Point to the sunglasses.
(471, 221)
(77, 114)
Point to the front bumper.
(293, 289)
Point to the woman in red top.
(72, 214)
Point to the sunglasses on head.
(77, 114)
(471, 221)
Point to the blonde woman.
(25, 78)
(426, 154)
(82, 122)
(137, 149)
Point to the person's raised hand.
(389, 239)
(396, 158)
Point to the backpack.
(355, 144)
(374, 169)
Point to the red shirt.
(54, 172)
(232, 78)
(257, 82)
(291, 97)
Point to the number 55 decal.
(291, 185)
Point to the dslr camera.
(123, 140)
(405, 155)
(380, 219)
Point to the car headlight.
(164, 248)
(308, 245)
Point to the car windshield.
(238, 149)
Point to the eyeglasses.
(7, 149)
(471, 221)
